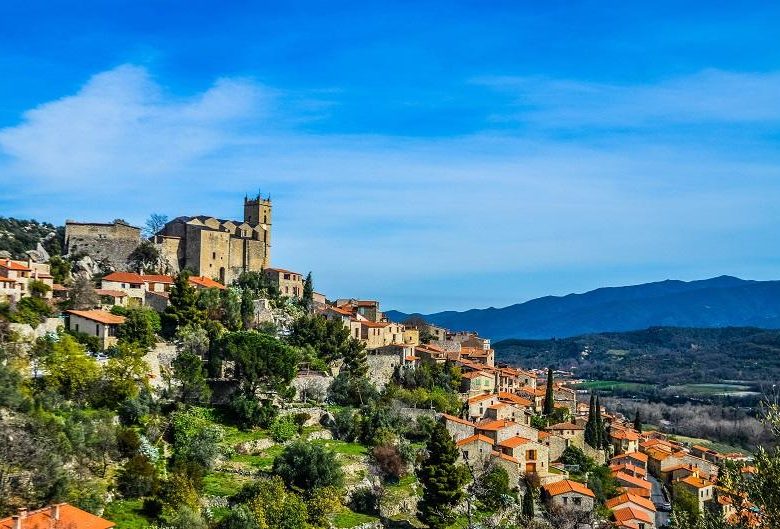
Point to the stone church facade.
(216, 248)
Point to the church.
(216, 248)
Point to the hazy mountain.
(718, 302)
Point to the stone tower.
(257, 210)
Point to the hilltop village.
(236, 395)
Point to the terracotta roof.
(457, 420)
(619, 433)
(544, 435)
(124, 277)
(628, 468)
(339, 310)
(280, 271)
(636, 491)
(58, 288)
(109, 292)
(374, 324)
(497, 406)
(9, 280)
(475, 374)
(698, 483)
(505, 457)
(70, 517)
(157, 278)
(99, 316)
(205, 282)
(565, 426)
(631, 513)
(476, 437)
(566, 486)
(515, 399)
(491, 425)
(480, 398)
(639, 456)
(630, 498)
(514, 442)
(411, 358)
(13, 265)
(632, 480)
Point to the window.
(213, 255)
(97, 329)
(577, 501)
(77, 327)
(565, 500)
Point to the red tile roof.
(632, 513)
(514, 442)
(632, 480)
(567, 486)
(474, 438)
(13, 265)
(565, 426)
(205, 282)
(99, 316)
(70, 518)
(458, 420)
(630, 498)
(124, 277)
(109, 292)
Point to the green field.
(612, 385)
(710, 390)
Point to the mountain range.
(723, 301)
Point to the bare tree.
(155, 223)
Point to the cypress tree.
(441, 481)
(590, 429)
(598, 425)
(528, 509)
(637, 422)
(549, 401)
(308, 291)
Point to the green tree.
(493, 490)
(549, 398)
(637, 421)
(528, 509)
(591, 428)
(231, 309)
(684, 501)
(261, 361)
(247, 308)
(69, 370)
(183, 308)
(124, 374)
(329, 338)
(137, 330)
(138, 477)
(308, 292)
(38, 288)
(305, 466)
(355, 359)
(441, 480)
(240, 517)
(190, 373)
(145, 258)
(60, 269)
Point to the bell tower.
(257, 210)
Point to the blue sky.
(433, 155)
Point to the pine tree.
(549, 401)
(441, 480)
(308, 292)
(355, 359)
(637, 422)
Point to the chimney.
(17, 522)
(55, 512)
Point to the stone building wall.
(381, 367)
(109, 244)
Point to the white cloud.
(708, 96)
(393, 217)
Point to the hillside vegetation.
(717, 302)
(18, 236)
(658, 355)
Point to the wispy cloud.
(706, 97)
(500, 215)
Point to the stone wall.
(381, 367)
(28, 333)
(107, 244)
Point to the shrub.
(283, 429)
(321, 503)
(137, 478)
(249, 412)
(128, 442)
(365, 500)
(346, 425)
(306, 466)
(389, 461)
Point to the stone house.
(476, 382)
(569, 494)
(475, 449)
(703, 490)
(287, 282)
(10, 290)
(97, 323)
(532, 456)
(641, 510)
(458, 428)
(623, 439)
(22, 273)
(573, 434)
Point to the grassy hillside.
(658, 355)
